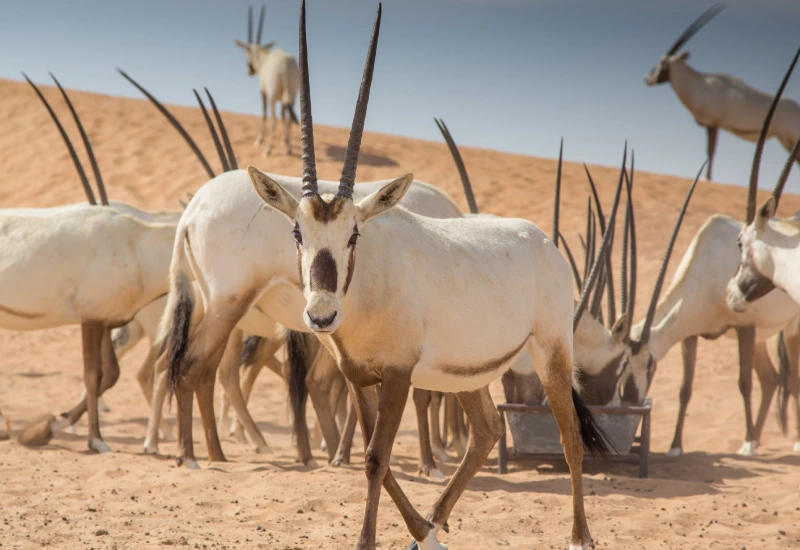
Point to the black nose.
(322, 323)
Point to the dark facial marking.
(598, 389)
(489, 366)
(323, 272)
(326, 211)
(751, 283)
(663, 74)
(351, 264)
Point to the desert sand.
(65, 497)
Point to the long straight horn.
(223, 132)
(557, 200)
(348, 179)
(260, 24)
(594, 273)
(575, 273)
(211, 130)
(633, 254)
(753, 188)
(306, 122)
(612, 313)
(651, 311)
(462, 170)
(81, 174)
(175, 124)
(98, 178)
(698, 24)
(787, 168)
(250, 25)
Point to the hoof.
(430, 543)
(748, 448)
(239, 437)
(339, 462)
(579, 546)
(99, 446)
(102, 406)
(61, 424)
(262, 450)
(675, 451)
(393, 460)
(190, 463)
(70, 430)
(150, 450)
(323, 446)
(258, 142)
(38, 433)
(796, 447)
(431, 472)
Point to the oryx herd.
(377, 288)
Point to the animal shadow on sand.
(336, 152)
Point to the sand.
(62, 496)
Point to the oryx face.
(326, 232)
(749, 283)
(639, 368)
(661, 72)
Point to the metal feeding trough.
(536, 436)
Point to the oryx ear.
(268, 45)
(272, 193)
(619, 328)
(242, 45)
(766, 212)
(683, 56)
(385, 198)
(183, 204)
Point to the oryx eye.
(297, 235)
(354, 237)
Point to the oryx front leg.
(689, 352)
(273, 120)
(93, 333)
(159, 393)
(747, 341)
(485, 428)
(260, 138)
(320, 380)
(342, 457)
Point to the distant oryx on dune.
(278, 79)
(720, 100)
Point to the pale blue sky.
(513, 75)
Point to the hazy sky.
(513, 75)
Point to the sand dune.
(63, 497)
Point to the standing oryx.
(769, 246)
(443, 304)
(81, 264)
(277, 79)
(720, 100)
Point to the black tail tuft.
(178, 339)
(249, 349)
(783, 382)
(292, 115)
(298, 358)
(594, 438)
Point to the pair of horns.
(250, 24)
(228, 160)
(750, 213)
(87, 144)
(347, 181)
(698, 24)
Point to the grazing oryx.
(720, 100)
(598, 351)
(769, 246)
(277, 79)
(81, 264)
(441, 304)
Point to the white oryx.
(443, 304)
(277, 79)
(769, 246)
(81, 264)
(720, 100)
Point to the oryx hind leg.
(342, 457)
(437, 444)
(689, 355)
(273, 120)
(768, 380)
(93, 333)
(427, 465)
(556, 374)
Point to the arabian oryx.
(81, 264)
(441, 304)
(277, 80)
(720, 100)
(769, 257)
